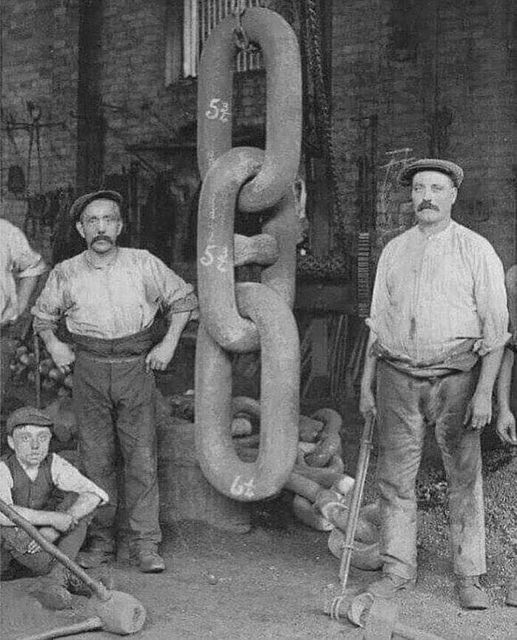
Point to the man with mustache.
(438, 325)
(108, 297)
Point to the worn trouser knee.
(15, 543)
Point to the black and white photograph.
(258, 319)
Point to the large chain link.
(247, 317)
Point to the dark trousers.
(405, 406)
(14, 542)
(7, 349)
(114, 401)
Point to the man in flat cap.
(109, 296)
(30, 478)
(438, 325)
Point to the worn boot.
(102, 574)
(77, 586)
(471, 593)
(148, 559)
(96, 556)
(51, 590)
(389, 585)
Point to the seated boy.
(31, 480)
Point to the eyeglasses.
(94, 221)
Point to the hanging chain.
(322, 110)
(246, 317)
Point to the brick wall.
(139, 107)
(39, 64)
(439, 77)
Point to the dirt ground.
(271, 583)
(267, 584)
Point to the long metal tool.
(119, 612)
(357, 496)
(37, 372)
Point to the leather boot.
(471, 593)
(148, 559)
(51, 591)
(389, 585)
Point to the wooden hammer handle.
(91, 624)
(96, 586)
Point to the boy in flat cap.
(30, 479)
(109, 296)
(438, 325)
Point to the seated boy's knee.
(40, 563)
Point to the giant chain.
(250, 316)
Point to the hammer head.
(377, 616)
(121, 613)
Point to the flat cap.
(27, 415)
(83, 201)
(454, 171)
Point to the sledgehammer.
(115, 611)
(378, 618)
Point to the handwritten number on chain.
(218, 110)
(240, 488)
(214, 253)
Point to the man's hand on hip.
(62, 355)
(479, 411)
(159, 356)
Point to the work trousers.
(14, 542)
(406, 406)
(114, 403)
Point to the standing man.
(438, 325)
(507, 391)
(20, 269)
(109, 296)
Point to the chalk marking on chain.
(217, 253)
(240, 488)
(218, 111)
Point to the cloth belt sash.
(122, 349)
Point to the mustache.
(101, 236)
(426, 204)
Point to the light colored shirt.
(64, 475)
(17, 260)
(114, 301)
(434, 294)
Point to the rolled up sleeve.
(67, 478)
(6, 484)
(491, 300)
(176, 295)
(27, 263)
(380, 297)
(49, 306)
